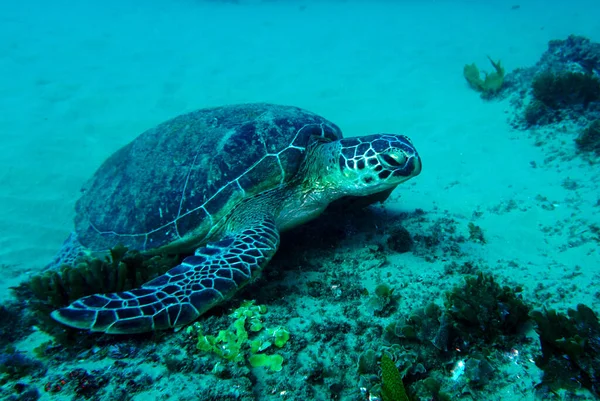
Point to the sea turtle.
(219, 184)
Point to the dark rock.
(400, 240)
(589, 139)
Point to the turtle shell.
(174, 183)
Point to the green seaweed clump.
(428, 325)
(120, 271)
(15, 365)
(15, 323)
(476, 233)
(567, 89)
(589, 139)
(491, 84)
(429, 389)
(570, 349)
(477, 318)
(383, 301)
(537, 113)
(484, 314)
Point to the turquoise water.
(503, 190)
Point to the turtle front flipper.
(185, 292)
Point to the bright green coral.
(273, 362)
(227, 344)
(237, 344)
(280, 336)
(392, 388)
(492, 82)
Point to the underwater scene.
(295, 200)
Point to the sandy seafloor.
(80, 79)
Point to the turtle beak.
(402, 162)
(417, 165)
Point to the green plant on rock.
(478, 321)
(121, 270)
(566, 89)
(476, 233)
(427, 325)
(367, 362)
(570, 348)
(245, 339)
(491, 83)
(382, 300)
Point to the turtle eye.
(393, 160)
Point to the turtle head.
(376, 163)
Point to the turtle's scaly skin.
(245, 235)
